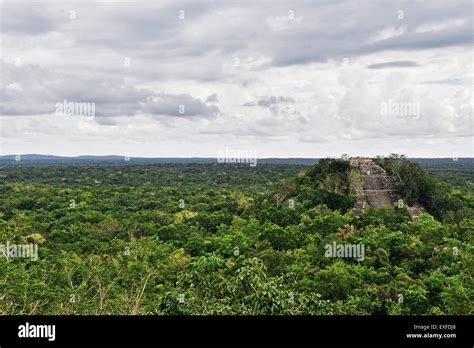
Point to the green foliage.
(208, 239)
(418, 187)
(326, 182)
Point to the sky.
(279, 78)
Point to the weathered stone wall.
(376, 187)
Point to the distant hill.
(34, 158)
(51, 159)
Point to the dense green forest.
(207, 239)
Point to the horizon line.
(206, 157)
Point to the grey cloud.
(270, 101)
(81, 60)
(182, 105)
(344, 30)
(213, 98)
(211, 34)
(459, 36)
(106, 121)
(31, 90)
(394, 64)
(28, 18)
(456, 82)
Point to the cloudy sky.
(282, 78)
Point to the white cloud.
(248, 76)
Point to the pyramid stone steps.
(378, 186)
